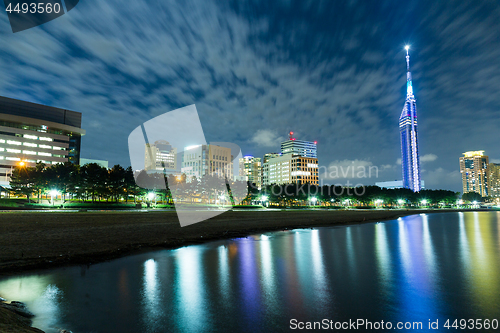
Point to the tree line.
(292, 194)
(92, 182)
(88, 182)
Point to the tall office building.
(299, 147)
(251, 168)
(474, 170)
(160, 157)
(31, 133)
(201, 160)
(268, 156)
(290, 169)
(494, 179)
(410, 159)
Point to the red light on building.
(315, 142)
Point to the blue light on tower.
(410, 160)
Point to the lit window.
(2, 149)
(57, 148)
(29, 152)
(12, 158)
(30, 144)
(1, 157)
(15, 151)
(45, 147)
(11, 142)
(44, 154)
(2, 141)
(46, 139)
(33, 137)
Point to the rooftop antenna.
(290, 136)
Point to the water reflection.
(42, 296)
(190, 289)
(151, 302)
(417, 268)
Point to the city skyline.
(343, 83)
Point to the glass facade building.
(410, 159)
(494, 179)
(299, 147)
(31, 133)
(474, 171)
(251, 169)
(201, 160)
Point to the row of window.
(41, 128)
(18, 159)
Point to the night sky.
(331, 71)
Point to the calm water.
(417, 268)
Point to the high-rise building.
(251, 168)
(410, 159)
(474, 170)
(494, 179)
(290, 169)
(201, 160)
(299, 147)
(31, 133)
(269, 156)
(160, 157)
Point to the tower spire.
(410, 159)
(409, 88)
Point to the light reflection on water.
(417, 268)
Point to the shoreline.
(33, 241)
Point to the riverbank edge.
(11, 321)
(46, 262)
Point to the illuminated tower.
(410, 160)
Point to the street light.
(53, 193)
(263, 199)
(222, 199)
(379, 202)
(401, 202)
(313, 200)
(424, 202)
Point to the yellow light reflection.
(484, 261)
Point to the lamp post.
(263, 200)
(151, 196)
(314, 200)
(52, 194)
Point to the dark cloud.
(331, 71)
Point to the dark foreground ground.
(32, 240)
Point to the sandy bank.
(30, 240)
